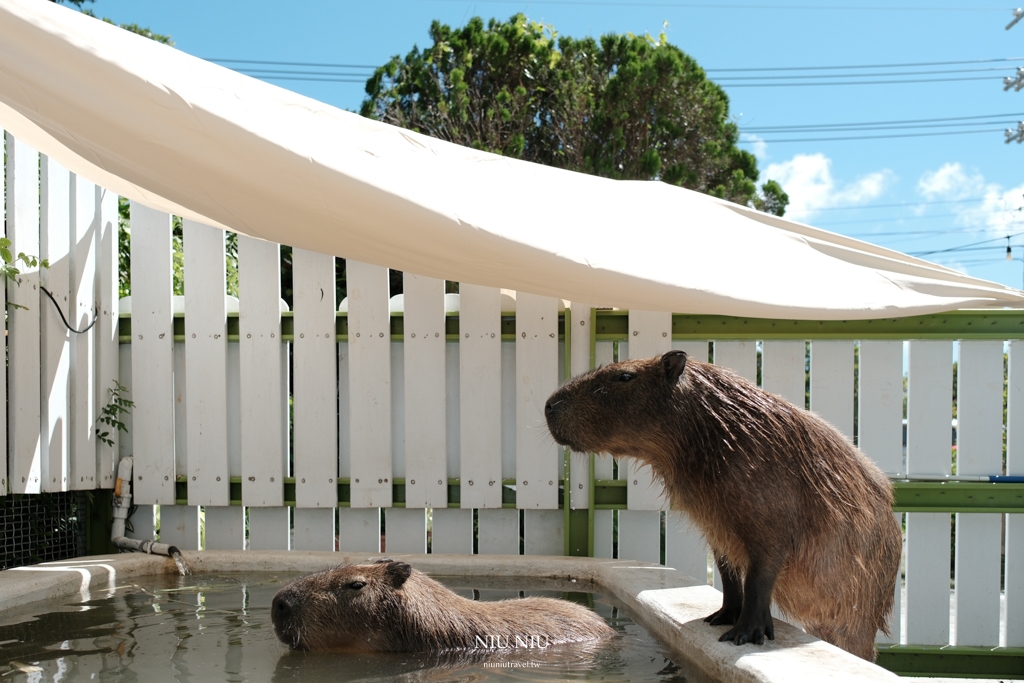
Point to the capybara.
(389, 606)
(791, 509)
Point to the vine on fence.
(9, 271)
(117, 407)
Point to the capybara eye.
(356, 585)
(625, 377)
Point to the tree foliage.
(624, 106)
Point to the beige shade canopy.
(192, 138)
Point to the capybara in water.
(791, 509)
(389, 606)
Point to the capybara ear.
(673, 363)
(398, 572)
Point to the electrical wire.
(869, 66)
(689, 5)
(883, 74)
(965, 247)
(888, 206)
(878, 137)
(834, 126)
(888, 82)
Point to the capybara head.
(340, 608)
(614, 408)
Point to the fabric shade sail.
(192, 138)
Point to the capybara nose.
(281, 609)
(549, 407)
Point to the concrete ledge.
(670, 604)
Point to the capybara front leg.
(732, 595)
(755, 620)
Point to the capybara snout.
(389, 606)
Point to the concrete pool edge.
(668, 603)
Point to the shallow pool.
(216, 627)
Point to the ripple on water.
(216, 627)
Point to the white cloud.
(999, 211)
(950, 182)
(758, 147)
(807, 179)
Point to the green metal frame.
(610, 325)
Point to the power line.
(878, 137)
(689, 5)
(861, 75)
(894, 219)
(875, 127)
(870, 66)
(887, 82)
(276, 63)
(965, 247)
(887, 206)
(825, 126)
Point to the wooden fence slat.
(263, 398)
(126, 445)
(453, 409)
(107, 345)
(832, 383)
(179, 526)
(580, 328)
(480, 397)
(451, 531)
(55, 354)
(225, 527)
(497, 531)
(543, 532)
(604, 468)
(880, 424)
(369, 349)
(406, 530)
(880, 432)
(685, 547)
(153, 391)
(508, 409)
(315, 356)
(359, 530)
(640, 535)
(268, 526)
(23, 418)
(783, 370)
(650, 334)
(314, 527)
(84, 226)
(143, 523)
(979, 452)
(738, 356)
(206, 367)
(1014, 567)
(929, 436)
(426, 453)
(538, 464)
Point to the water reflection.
(216, 627)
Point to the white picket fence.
(427, 409)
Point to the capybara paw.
(749, 633)
(723, 617)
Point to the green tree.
(626, 106)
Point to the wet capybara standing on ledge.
(792, 511)
(389, 606)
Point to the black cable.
(47, 292)
(878, 137)
(830, 126)
(964, 246)
(887, 206)
(871, 66)
(883, 74)
(275, 63)
(912, 80)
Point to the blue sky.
(949, 190)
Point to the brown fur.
(792, 510)
(400, 609)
